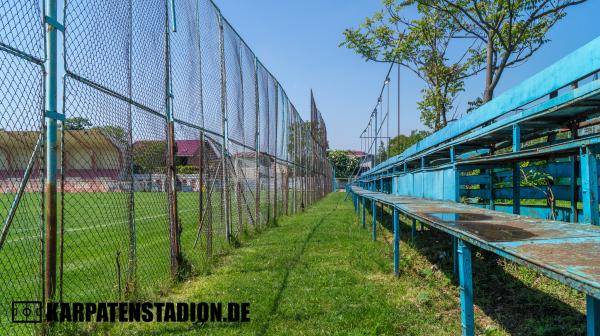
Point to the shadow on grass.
(516, 306)
(198, 327)
(289, 269)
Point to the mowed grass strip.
(319, 273)
(316, 273)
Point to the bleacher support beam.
(516, 185)
(396, 243)
(593, 316)
(589, 186)
(466, 289)
(374, 209)
(363, 212)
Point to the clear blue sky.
(298, 41)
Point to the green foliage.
(474, 104)
(381, 152)
(500, 34)
(76, 124)
(117, 133)
(149, 156)
(402, 142)
(187, 170)
(345, 164)
(507, 33)
(422, 46)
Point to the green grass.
(96, 235)
(320, 273)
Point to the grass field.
(96, 246)
(320, 273)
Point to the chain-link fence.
(172, 142)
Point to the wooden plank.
(475, 179)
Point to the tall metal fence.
(154, 144)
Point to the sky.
(298, 40)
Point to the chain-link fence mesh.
(22, 55)
(169, 134)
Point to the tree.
(402, 142)
(381, 153)
(117, 133)
(510, 32)
(422, 46)
(149, 157)
(76, 124)
(344, 163)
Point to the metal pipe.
(396, 242)
(174, 21)
(374, 219)
(257, 142)
(50, 207)
(398, 100)
(376, 132)
(574, 190)
(516, 170)
(172, 173)
(589, 186)
(275, 159)
(225, 127)
(132, 253)
(593, 315)
(466, 288)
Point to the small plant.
(541, 181)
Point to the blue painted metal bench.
(550, 122)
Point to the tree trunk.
(438, 108)
(444, 120)
(488, 93)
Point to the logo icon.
(27, 311)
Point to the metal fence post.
(304, 172)
(456, 195)
(257, 142)
(396, 243)
(516, 171)
(172, 173)
(294, 164)
(275, 215)
(455, 255)
(363, 212)
(225, 128)
(593, 315)
(131, 276)
(266, 150)
(50, 206)
(491, 187)
(239, 188)
(374, 210)
(466, 289)
(286, 176)
(574, 191)
(589, 186)
(201, 180)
